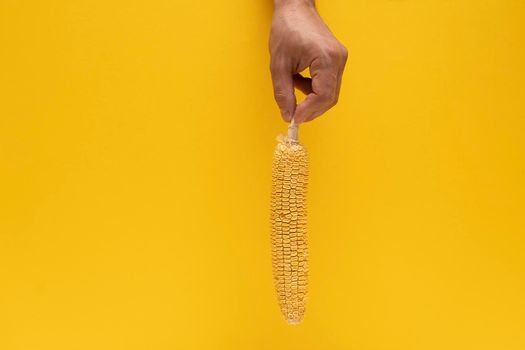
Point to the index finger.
(325, 88)
(324, 91)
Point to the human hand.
(299, 39)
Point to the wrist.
(285, 3)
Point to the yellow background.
(135, 151)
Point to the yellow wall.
(135, 150)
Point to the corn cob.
(288, 225)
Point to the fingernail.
(297, 120)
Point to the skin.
(299, 39)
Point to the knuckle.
(328, 99)
(333, 52)
(335, 99)
(344, 52)
(329, 56)
(331, 104)
(280, 97)
(336, 52)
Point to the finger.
(304, 84)
(344, 59)
(283, 89)
(324, 92)
(334, 99)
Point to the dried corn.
(288, 225)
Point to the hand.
(300, 39)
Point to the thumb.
(283, 90)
